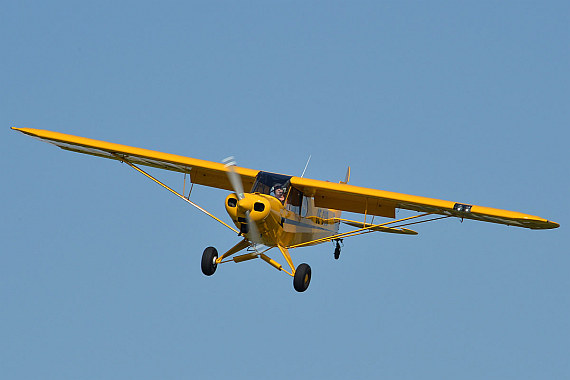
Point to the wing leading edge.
(207, 173)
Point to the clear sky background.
(100, 268)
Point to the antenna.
(307, 164)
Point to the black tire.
(302, 277)
(209, 261)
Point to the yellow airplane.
(284, 211)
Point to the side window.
(294, 199)
(304, 206)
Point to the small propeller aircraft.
(288, 212)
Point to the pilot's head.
(278, 191)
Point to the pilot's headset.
(275, 187)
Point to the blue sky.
(100, 274)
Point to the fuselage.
(290, 221)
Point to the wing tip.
(545, 225)
(23, 130)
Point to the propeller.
(237, 185)
(234, 177)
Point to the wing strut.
(371, 228)
(174, 192)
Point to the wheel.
(302, 277)
(209, 258)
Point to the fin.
(347, 177)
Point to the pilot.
(278, 192)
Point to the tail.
(347, 177)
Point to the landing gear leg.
(337, 248)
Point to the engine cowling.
(256, 205)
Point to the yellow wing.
(340, 196)
(202, 172)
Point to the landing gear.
(337, 248)
(209, 258)
(302, 277)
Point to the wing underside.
(362, 200)
(201, 172)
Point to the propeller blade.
(237, 185)
(234, 177)
(253, 232)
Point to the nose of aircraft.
(245, 204)
(258, 207)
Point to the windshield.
(273, 184)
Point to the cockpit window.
(276, 185)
